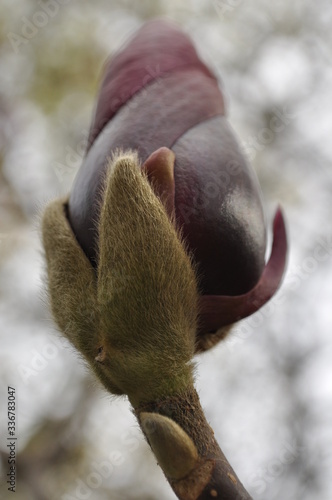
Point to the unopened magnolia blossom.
(160, 247)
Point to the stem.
(212, 476)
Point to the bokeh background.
(267, 389)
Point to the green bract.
(134, 319)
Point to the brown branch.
(212, 476)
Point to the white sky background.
(267, 389)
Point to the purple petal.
(217, 311)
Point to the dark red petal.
(217, 310)
(157, 49)
(218, 205)
(161, 114)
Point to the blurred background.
(267, 389)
